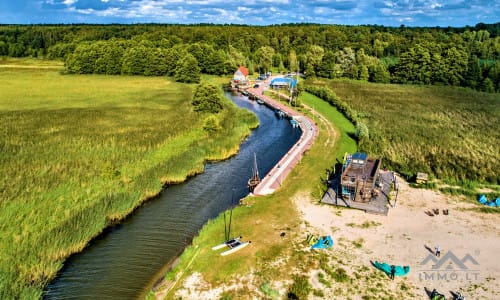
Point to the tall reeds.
(449, 132)
(78, 153)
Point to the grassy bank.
(271, 262)
(81, 152)
(262, 219)
(450, 133)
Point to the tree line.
(467, 56)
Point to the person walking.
(393, 271)
(438, 251)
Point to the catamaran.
(237, 245)
(233, 244)
(226, 243)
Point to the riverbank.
(273, 179)
(361, 238)
(82, 152)
(263, 219)
(275, 264)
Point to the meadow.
(262, 219)
(272, 260)
(78, 153)
(450, 133)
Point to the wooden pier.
(273, 180)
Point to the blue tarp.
(483, 200)
(323, 243)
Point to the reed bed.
(78, 153)
(448, 132)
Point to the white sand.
(401, 238)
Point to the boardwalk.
(272, 181)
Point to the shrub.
(300, 288)
(207, 98)
(340, 275)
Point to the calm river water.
(122, 262)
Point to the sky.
(411, 13)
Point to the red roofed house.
(240, 76)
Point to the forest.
(466, 57)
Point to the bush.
(300, 288)
(207, 98)
(211, 124)
(340, 275)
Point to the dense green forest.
(467, 57)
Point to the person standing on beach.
(393, 271)
(438, 251)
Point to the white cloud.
(261, 12)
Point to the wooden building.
(360, 175)
(241, 75)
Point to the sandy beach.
(407, 236)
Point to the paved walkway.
(272, 181)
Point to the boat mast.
(255, 169)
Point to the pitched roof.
(243, 70)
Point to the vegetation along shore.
(81, 152)
(96, 119)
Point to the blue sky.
(455, 13)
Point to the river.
(123, 261)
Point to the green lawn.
(262, 219)
(80, 152)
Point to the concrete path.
(272, 181)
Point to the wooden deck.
(380, 205)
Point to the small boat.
(260, 101)
(233, 244)
(238, 245)
(255, 179)
(244, 93)
(294, 123)
(226, 243)
(279, 113)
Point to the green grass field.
(78, 153)
(270, 258)
(262, 219)
(450, 133)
